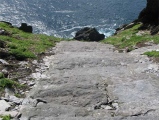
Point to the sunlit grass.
(129, 38)
(24, 45)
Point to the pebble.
(107, 107)
(32, 83)
(115, 105)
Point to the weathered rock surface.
(89, 81)
(149, 16)
(89, 34)
(4, 106)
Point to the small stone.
(29, 101)
(4, 62)
(4, 106)
(115, 105)
(35, 62)
(32, 83)
(16, 100)
(23, 63)
(107, 107)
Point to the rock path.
(91, 81)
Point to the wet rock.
(24, 27)
(4, 106)
(89, 34)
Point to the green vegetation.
(24, 45)
(5, 82)
(1, 75)
(152, 53)
(7, 117)
(129, 38)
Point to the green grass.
(1, 75)
(152, 53)
(128, 38)
(5, 82)
(6, 117)
(24, 45)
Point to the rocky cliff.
(149, 16)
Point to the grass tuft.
(6, 117)
(152, 53)
(24, 45)
(129, 38)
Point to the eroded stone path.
(89, 81)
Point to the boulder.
(89, 34)
(24, 27)
(4, 106)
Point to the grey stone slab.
(90, 81)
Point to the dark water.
(63, 17)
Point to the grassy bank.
(133, 38)
(24, 45)
(15, 46)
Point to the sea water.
(62, 18)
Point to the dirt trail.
(90, 81)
